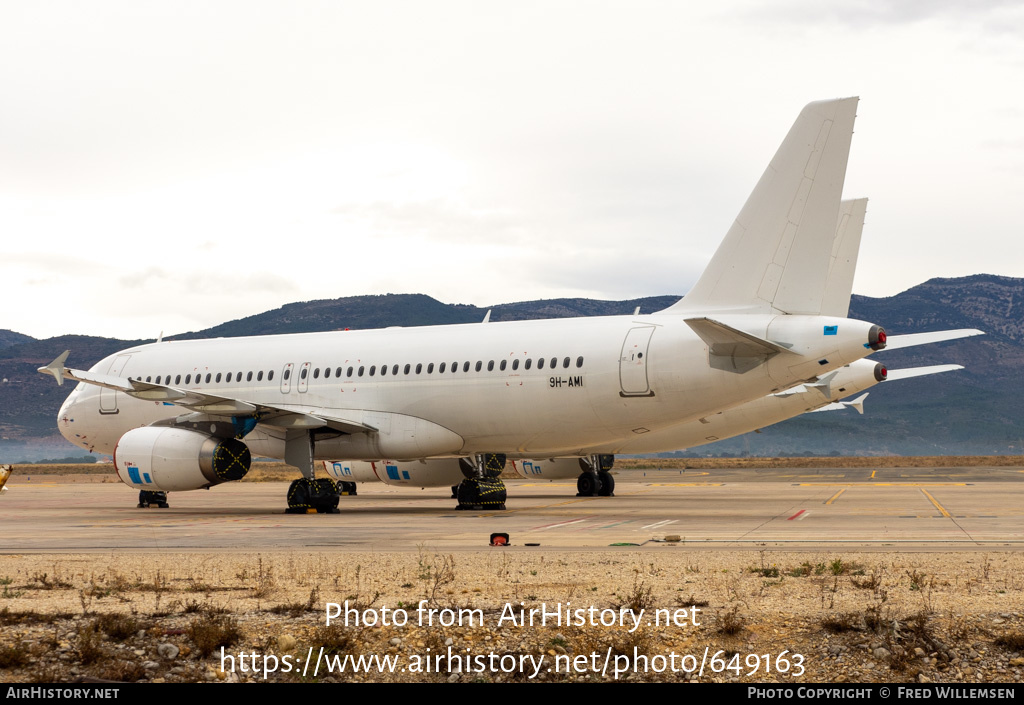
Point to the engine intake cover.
(175, 459)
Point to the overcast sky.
(173, 165)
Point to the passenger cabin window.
(361, 370)
(188, 379)
(259, 375)
(465, 366)
(407, 368)
(579, 361)
(373, 370)
(554, 363)
(529, 361)
(394, 369)
(218, 378)
(383, 370)
(208, 377)
(479, 365)
(303, 373)
(540, 364)
(440, 369)
(270, 376)
(287, 374)
(149, 379)
(177, 379)
(430, 368)
(565, 363)
(337, 372)
(515, 364)
(316, 373)
(248, 376)
(419, 367)
(502, 365)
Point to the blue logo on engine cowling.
(831, 330)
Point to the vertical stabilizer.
(843, 263)
(775, 257)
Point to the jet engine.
(167, 459)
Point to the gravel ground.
(810, 617)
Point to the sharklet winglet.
(56, 368)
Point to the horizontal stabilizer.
(730, 349)
(920, 371)
(857, 404)
(895, 342)
(727, 341)
(824, 384)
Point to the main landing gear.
(149, 499)
(482, 488)
(596, 479)
(306, 495)
(309, 494)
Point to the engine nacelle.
(167, 459)
(432, 472)
(548, 468)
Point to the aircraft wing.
(210, 404)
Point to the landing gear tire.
(320, 496)
(481, 493)
(347, 488)
(607, 484)
(455, 491)
(588, 485)
(148, 499)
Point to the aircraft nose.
(66, 418)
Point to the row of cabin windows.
(441, 368)
(361, 370)
(210, 377)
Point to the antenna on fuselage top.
(637, 312)
(160, 338)
(487, 318)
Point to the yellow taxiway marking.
(872, 475)
(687, 484)
(935, 502)
(883, 484)
(834, 497)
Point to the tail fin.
(775, 257)
(843, 262)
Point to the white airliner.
(595, 479)
(184, 415)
